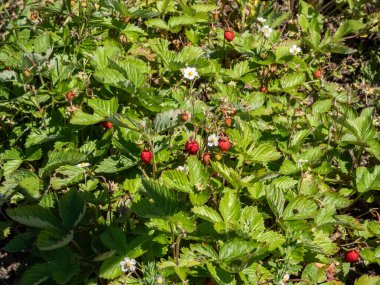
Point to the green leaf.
(183, 20)
(72, 208)
(59, 158)
(367, 179)
(322, 106)
(114, 164)
(204, 8)
(36, 274)
(157, 23)
(178, 180)
(53, 238)
(68, 175)
(367, 280)
(236, 249)
(115, 239)
(166, 121)
(292, 80)
(300, 208)
(284, 183)
(276, 200)
(110, 268)
(197, 171)
(230, 174)
(164, 198)
(102, 110)
(348, 27)
(270, 238)
(265, 152)
(34, 216)
(11, 166)
(229, 207)
(132, 69)
(20, 242)
(221, 276)
(42, 42)
(208, 214)
(63, 264)
(251, 220)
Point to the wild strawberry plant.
(189, 142)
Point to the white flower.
(181, 168)
(83, 164)
(160, 280)
(190, 73)
(261, 19)
(213, 140)
(295, 49)
(266, 31)
(286, 277)
(128, 264)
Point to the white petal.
(132, 268)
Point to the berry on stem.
(107, 125)
(229, 35)
(191, 146)
(264, 89)
(70, 96)
(146, 156)
(317, 74)
(224, 143)
(351, 256)
(228, 121)
(206, 158)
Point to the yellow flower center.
(191, 73)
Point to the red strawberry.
(224, 143)
(229, 35)
(318, 73)
(228, 121)
(351, 256)
(146, 156)
(107, 125)
(206, 158)
(70, 96)
(264, 89)
(191, 146)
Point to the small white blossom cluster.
(160, 280)
(83, 164)
(295, 50)
(128, 265)
(213, 140)
(190, 73)
(266, 30)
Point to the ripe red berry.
(351, 256)
(318, 73)
(224, 144)
(229, 35)
(264, 89)
(107, 125)
(228, 122)
(146, 156)
(70, 96)
(191, 146)
(206, 158)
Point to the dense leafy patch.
(190, 142)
